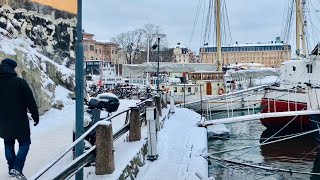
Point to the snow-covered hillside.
(43, 48)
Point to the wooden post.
(135, 125)
(149, 103)
(159, 111)
(158, 104)
(104, 146)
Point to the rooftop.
(252, 45)
(104, 42)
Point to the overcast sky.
(250, 20)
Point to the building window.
(189, 89)
(85, 48)
(96, 51)
(91, 47)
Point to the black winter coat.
(15, 99)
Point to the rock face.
(43, 47)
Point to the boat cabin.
(213, 81)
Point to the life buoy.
(220, 91)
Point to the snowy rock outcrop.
(43, 47)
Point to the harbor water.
(299, 154)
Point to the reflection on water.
(298, 154)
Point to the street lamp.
(158, 59)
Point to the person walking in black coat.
(16, 98)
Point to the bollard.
(104, 148)
(152, 133)
(158, 104)
(172, 106)
(135, 125)
(164, 100)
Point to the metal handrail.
(87, 157)
(116, 136)
(45, 169)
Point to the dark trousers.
(16, 161)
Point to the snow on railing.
(89, 155)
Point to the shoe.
(17, 174)
(11, 174)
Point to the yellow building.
(270, 54)
(65, 5)
(2, 2)
(98, 50)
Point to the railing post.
(149, 103)
(295, 95)
(135, 125)
(158, 104)
(172, 106)
(274, 101)
(152, 133)
(288, 99)
(164, 100)
(158, 111)
(104, 148)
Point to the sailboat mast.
(218, 34)
(298, 27)
(303, 28)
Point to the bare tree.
(134, 44)
(130, 43)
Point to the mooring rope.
(264, 167)
(266, 143)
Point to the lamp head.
(155, 46)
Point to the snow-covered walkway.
(180, 145)
(52, 136)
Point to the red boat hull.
(300, 123)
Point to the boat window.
(309, 68)
(182, 89)
(175, 89)
(189, 89)
(294, 68)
